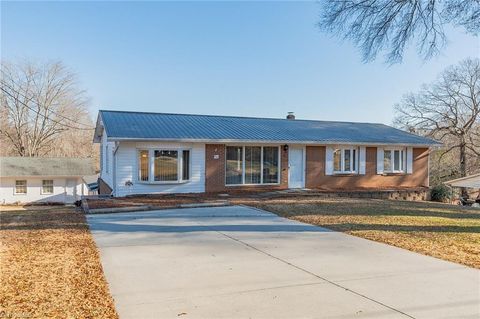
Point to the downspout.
(114, 168)
(428, 167)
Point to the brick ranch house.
(149, 153)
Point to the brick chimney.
(290, 116)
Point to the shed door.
(70, 190)
(296, 171)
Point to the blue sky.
(231, 58)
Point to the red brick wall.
(103, 188)
(315, 172)
(215, 171)
(316, 178)
(214, 168)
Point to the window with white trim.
(163, 165)
(165, 168)
(21, 187)
(345, 160)
(143, 166)
(252, 165)
(47, 186)
(394, 160)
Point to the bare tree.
(377, 25)
(39, 105)
(448, 110)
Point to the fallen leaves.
(444, 231)
(50, 267)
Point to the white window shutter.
(362, 160)
(379, 160)
(328, 160)
(409, 160)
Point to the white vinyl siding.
(106, 173)
(127, 169)
(107, 159)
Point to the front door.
(296, 170)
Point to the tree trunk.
(463, 166)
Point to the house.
(38, 179)
(147, 153)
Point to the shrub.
(441, 193)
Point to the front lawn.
(50, 266)
(448, 232)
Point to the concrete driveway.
(239, 262)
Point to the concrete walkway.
(238, 262)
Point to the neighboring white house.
(472, 181)
(39, 179)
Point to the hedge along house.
(147, 153)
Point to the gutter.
(233, 141)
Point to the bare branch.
(448, 110)
(39, 105)
(391, 25)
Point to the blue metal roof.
(163, 126)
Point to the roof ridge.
(239, 117)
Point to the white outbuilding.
(43, 180)
(472, 181)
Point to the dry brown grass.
(50, 267)
(444, 231)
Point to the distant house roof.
(91, 181)
(472, 181)
(43, 166)
(120, 125)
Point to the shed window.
(20, 187)
(252, 165)
(47, 186)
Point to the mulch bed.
(50, 267)
(234, 196)
(167, 200)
